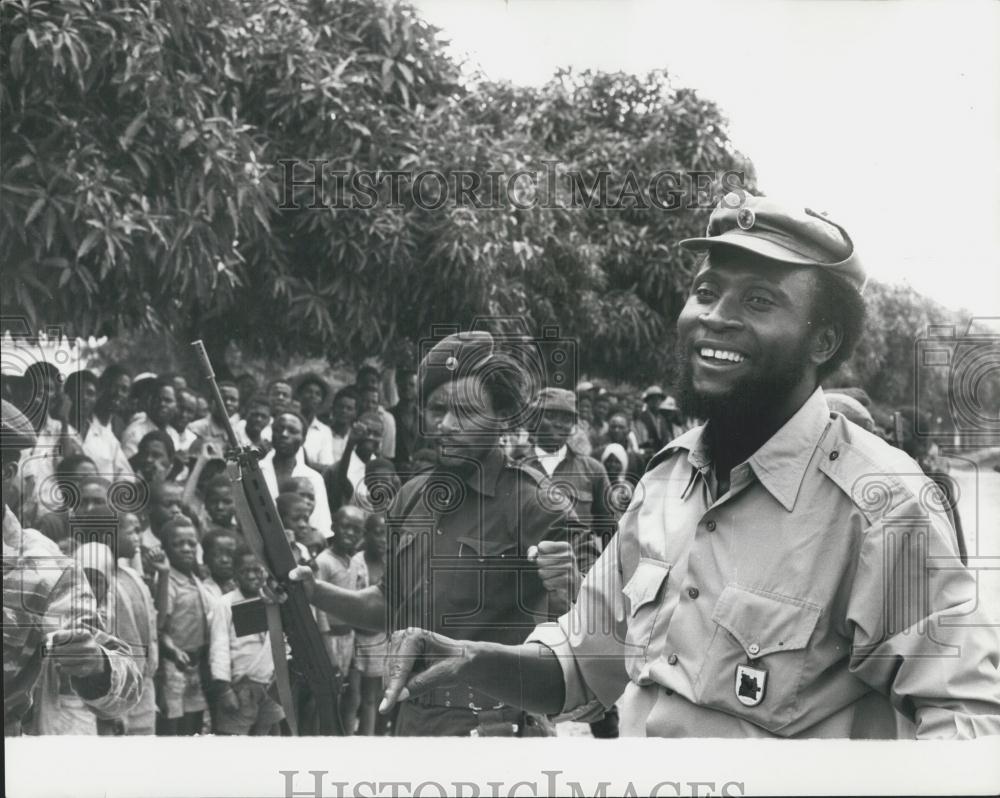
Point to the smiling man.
(780, 571)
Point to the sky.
(884, 114)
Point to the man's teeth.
(722, 354)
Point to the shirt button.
(753, 648)
(672, 659)
(710, 526)
(834, 454)
(693, 592)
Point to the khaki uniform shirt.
(822, 596)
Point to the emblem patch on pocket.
(750, 683)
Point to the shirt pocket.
(760, 637)
(644, 593)
(490, 576)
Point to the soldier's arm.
(527, 676)
(363, 609)
(920, 634)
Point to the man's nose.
(723, 315)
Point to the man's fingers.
(404, 648)
(301, 573)
(553, 547)
(440, 673)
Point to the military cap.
(651, 391)
(585, 386)
(464, 354)
(16, 431)
(782, 233)
(668, 404)
(556, 399)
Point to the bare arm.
(527, 676)
(363, 609)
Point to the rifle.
(264, 531)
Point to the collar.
(483, 479)
(11, 531)
(558, 455)
(780, 464)
(300, 458)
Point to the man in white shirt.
(343, 413)
(160, 411)
(370, 400)
(346, 480)
(242, 667)
(286, 460)
(312, 393)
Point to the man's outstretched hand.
(418, 661)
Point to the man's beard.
(749, 399)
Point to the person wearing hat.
(461, 535)
(49, 610)
(312, 393)
(583, 476)
(651, 429)
(777, 573)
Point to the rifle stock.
(308, 652)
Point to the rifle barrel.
(209, 374)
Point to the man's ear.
(9, 468)
(827, 340)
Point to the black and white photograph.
(620, 378)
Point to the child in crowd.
(184, 608)
(219, 551)
(294, 513)
(136, 622)
(166, 502)
(156, 460)
(303, 487)
(242, 667)
(207, 466)
(370, 649)
(220, 505)
(59, 501)
(335, 565)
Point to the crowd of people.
(128, 477)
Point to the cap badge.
(451, 363)
(745, 218)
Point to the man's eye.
(760, 301)
(704, 292)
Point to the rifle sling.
(276, 631)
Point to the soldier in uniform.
(49, 610)
(459, 539)
(780, 572)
